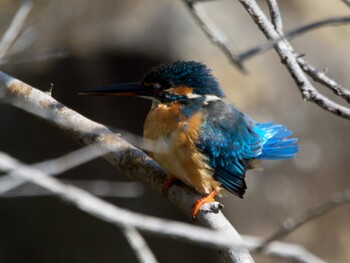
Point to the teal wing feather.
(227, 139)
(232, 141)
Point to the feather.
(233, 143)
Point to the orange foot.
(206, 199)
(168, 183)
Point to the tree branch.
(139, 246)
(290, 34)
(129, 160)
(275, 15)
(321, 77)
(289, 59)
(101, 188)
(214, 33)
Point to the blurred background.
(75, 45)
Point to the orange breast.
(175, 137)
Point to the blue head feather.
(185, 73)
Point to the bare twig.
(139, 246)
(321, 77)
(290, 224)
(289, 59)
(129, 160)
(102, 188)
(15, 28)
(291, 34)
(214, 33)
(275, 14)
(54, 167)
(221, 238)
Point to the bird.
(201, 140)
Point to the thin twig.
(321, 77)
(214, 33)
(139, 246)
(15, 28)
(102, 188)
(275, 14)
(291, 34)
(56, 166)
(290, 224)
(289, 59)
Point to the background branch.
(290, 34)
(290, 225)
(15, 28)
(289, 59)
(214, 33)
(139, 245)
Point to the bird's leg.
(206, 199)
(168, 183)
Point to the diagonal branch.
(290, 34)
(321, 77)
(129, 160)
(214, 33)
(138, 244)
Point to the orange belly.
(175, 137)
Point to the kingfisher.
(209, 144)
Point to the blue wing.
(232, 142)
(228, 140)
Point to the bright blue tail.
(275, 144)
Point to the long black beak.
(123, 89)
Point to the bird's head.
(174, 82)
